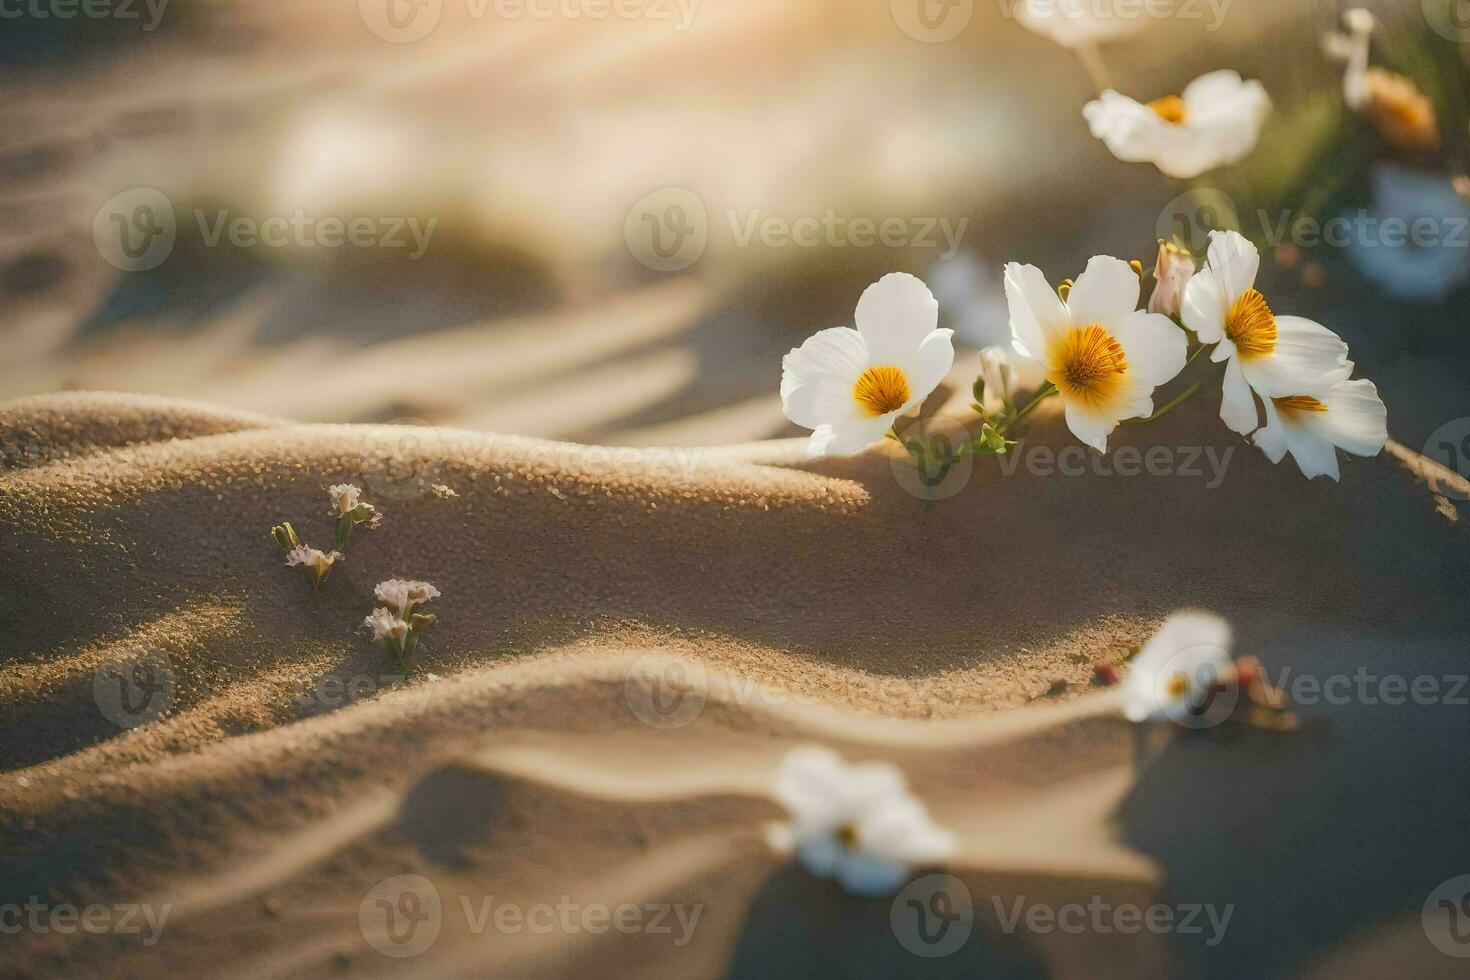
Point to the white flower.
(1104, 355)
(344, 498)
(858, 824)
(1078, 23)
(400, 594)
(317, 561)
(1176, 669)
(848, 386)
(999, 379)
(1215, 123)
(1275, 356)
(387, 626)
(1421, 268)
(1172, 272)
(1349, 416)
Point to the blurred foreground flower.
(396, 625)
(1102, 354)
(849, 386)
(858, 824)
(316, 564)
(1215, 122)
(1274, 356)
(349, 511)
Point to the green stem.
(1047, 390)
(1179, 399)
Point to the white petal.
(1314, 455)
(1036, 310)
(1133, 132)
(1235, 263)
(1309, 359)
(1091, 428)
(849, 436)
(1107, 291)
(1196, 644)
(1154, 345)
(928, 366)
(1272, 438)
(817, 377)
(895, 315)
(1237, 404)
(1356, 419)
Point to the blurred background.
(606, 220)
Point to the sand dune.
(629, 640)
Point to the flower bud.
(1172, 272)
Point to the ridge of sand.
(798, 601)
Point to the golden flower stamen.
(1088, 364)
(1401, 113)
(1169, 108)
(848, 835)
(1298, 403)
(1177, 686)
(1251, 326)
(881, 389)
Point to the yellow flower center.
(1252, 326)
(1292, 404)
(1087, 364)
(848, 835)
(881, 389)
(1178, 685)
(1170, 108)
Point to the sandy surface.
(794, 601)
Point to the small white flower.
(317, 561)
(1215, 123)
(848, 386)
(858, 824)
(1275, 356)
(345, 498)
(400, 594)
(387, 626)
(1078, 23)
(1349, 416)
(1172, 272)
(1104, 355)
(999, 378)
(1176, 669)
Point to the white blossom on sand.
(348, 511)
(402, 594)
(1172, 271)
(1177, 668)
(387, 626)
(848, 386)
(1348, 416)
(858, 824)
(1103, 354)
(1216, 122)
(315, 563)
(1276, 356)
